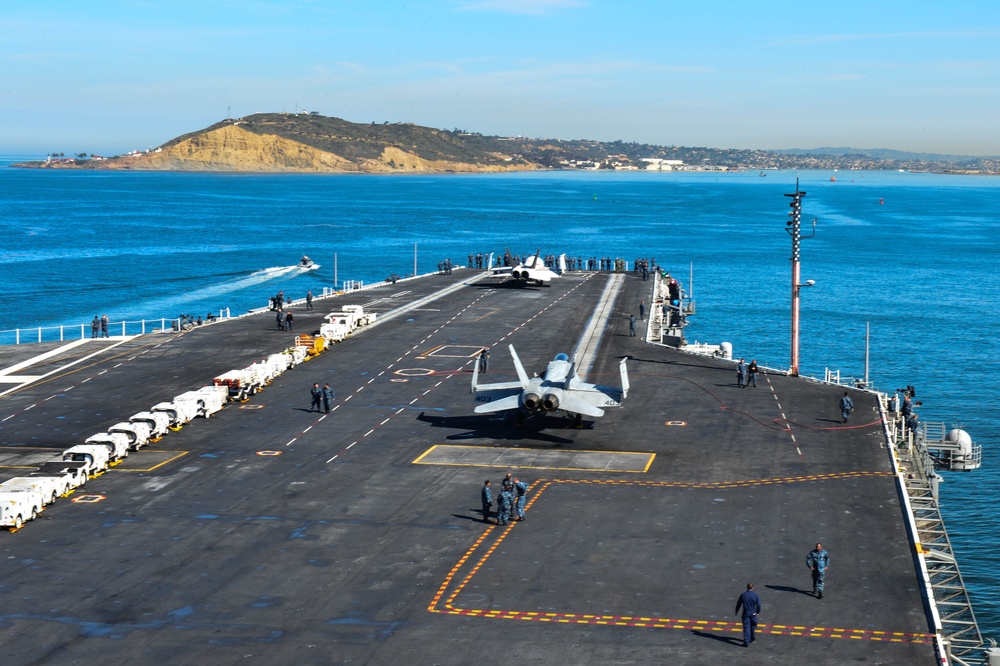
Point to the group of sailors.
(644, 266)
(99, 327)
(604, 264)
(910, 417)
(186, 322)
(510, 501)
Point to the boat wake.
(213, 293)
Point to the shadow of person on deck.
(788, 588)
(731, 640)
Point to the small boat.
(307, 264)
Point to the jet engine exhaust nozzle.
(531, 401)
(550, 402)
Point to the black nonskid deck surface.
(276, 534)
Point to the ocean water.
(914, 256)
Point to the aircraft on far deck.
(559, 388)
(532, 270)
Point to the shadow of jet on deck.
(496, 428)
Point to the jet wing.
(603, 396)
(498, 386)
(501, 405)
(572, 402)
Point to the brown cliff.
(308, 143)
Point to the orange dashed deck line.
(648, 622)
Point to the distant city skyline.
(109, 77)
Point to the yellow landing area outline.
(455, 582)
(506, 458)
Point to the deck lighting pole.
(794, 229)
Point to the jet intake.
(531, 401)
(550, 402)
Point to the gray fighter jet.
(558, 388)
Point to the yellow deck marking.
(88, 499)
(413, 372)
(445, 598)
(180, 454)
(583, 460)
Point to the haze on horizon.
(107, 77)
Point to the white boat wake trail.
(181, 301)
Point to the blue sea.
(915, 256)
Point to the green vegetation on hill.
(359, 141)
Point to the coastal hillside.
(284, 142)
(311, 143)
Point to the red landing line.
(700, 625)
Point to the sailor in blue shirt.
(521, 489)
(503, 507)
(487, 497)
(750, 603)
(846, 406)
(317, 396)
(819, 561)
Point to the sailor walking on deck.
(484, 359)
(95, 327)
(327, 397)
(846, 406)
(631, 325)
(741, 374)
(818, 561)
(750, 603)
(317, 397)
(309, 300)
(104, 326)
(642, 309)
(752, 373)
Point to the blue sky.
(107, 77)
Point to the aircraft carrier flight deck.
(269, 533)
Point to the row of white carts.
(23, 498)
